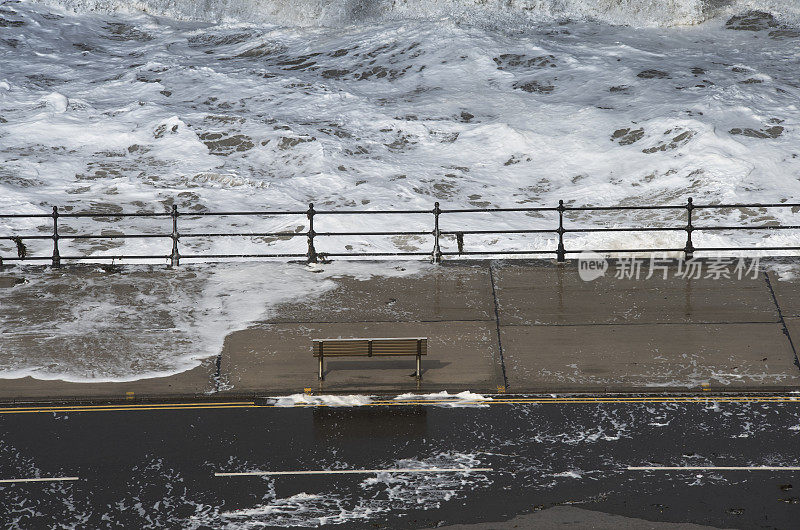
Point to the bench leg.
(419, 367)
(321, 375)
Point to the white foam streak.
(345, 12)
(383, 493)
(300, 400)
(445, 399)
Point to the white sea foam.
(445, 399)
(397, 107)
(108, 330)
(379, 494)
(448, 101)
(569, 474)
(56, 102)
(339, 12)
(297, 400)
(783, 271)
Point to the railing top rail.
(622, 208)
(25, 215)
(112, 214)
(495, 210)
(370, 212)
(750, 205)
(254, 212)
(152, 214)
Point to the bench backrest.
(370, 347)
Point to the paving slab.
(536, 295)
(449, 292)
(787, 293)
(648, 357)
(461, 355)
(793, 329)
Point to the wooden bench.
(416, 346)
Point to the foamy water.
(252, 105)
(241, 105)
(374, 497)
(133, 324)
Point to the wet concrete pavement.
(493, 326)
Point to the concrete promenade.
(500, 326)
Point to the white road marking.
(356, 471)
(48, 479)
(714, 468)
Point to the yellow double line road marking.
(578, 400)
(117, 408)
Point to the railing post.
(56, 254)
(561, 253)
(436, 257)
(175, 257)
(689, 249)
(312, 252)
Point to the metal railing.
(560, 252)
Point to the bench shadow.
(331, 366)
(370, 422)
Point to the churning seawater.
(254, 104)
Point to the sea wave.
(646, 13)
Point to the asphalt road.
(544, 462)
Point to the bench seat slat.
(361, 347)
(369, 338)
